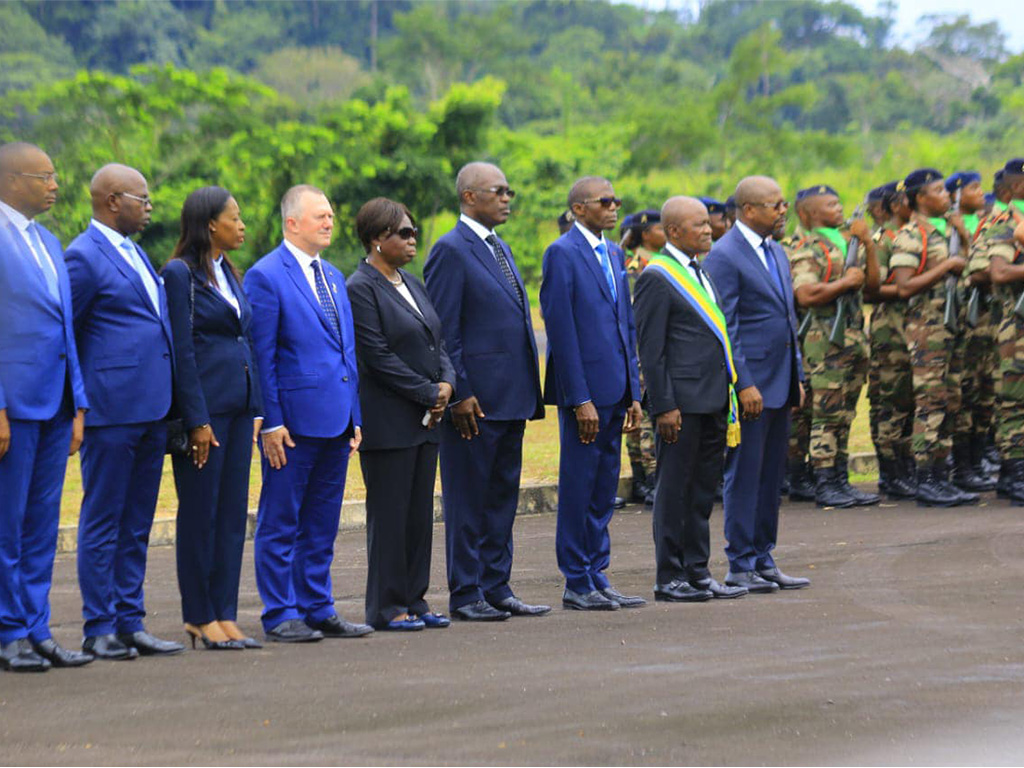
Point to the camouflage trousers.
(1010, 403)
(640, 445)
(837, 375)
(935, 357)
(890, 385)
(978, 383)
(800, 423)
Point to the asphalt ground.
(906, 649)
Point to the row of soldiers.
(942, 352)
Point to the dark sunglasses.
(406, 232)
(606, 202)
(498, 191)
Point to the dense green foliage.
(374, 97)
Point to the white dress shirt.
(406, 294)
(43, 260)
(595, 241)
(306, 262)
(478, 229)
(688, 262)
(223, 286)
(756, 242)
(118, 241)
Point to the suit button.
(241, 339)
(788, 344)
(62, 357)
(431, 347)
(246, 368)
(722, 365)
(167, 356)
(344, 378)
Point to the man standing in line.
(476, 289)
(123, 333)
(592, 377)
(305, 348)
(42, 407)
(751, 274)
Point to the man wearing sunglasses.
(592, 377)
(476, 289)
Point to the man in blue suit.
(485, 313)
(123, 334)
(592, 377)
(305, 349)
(751, 273)
(42, 406)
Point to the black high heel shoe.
(211, 645)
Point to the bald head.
(477, 175)
(755, 189)
(120, 198)
(28, 182)
(687, 224)
(484, 194)
(761, 205)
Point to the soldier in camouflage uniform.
(890, 380)
(995, 260)
(980, 357)
(821, 282)
(642, 237)
(921, 262)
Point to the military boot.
(1003, 486)
(643, 486)
(909, 466)
(828, 492)
(801, 481)
(964, 476)
(1013, 470)
(884, 473)
(982, 467)
(898, 487)
(860, 498)
(931, 492)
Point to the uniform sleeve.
(906, 250)
(804, 267)
(995, 240)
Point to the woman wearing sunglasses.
(405, 381)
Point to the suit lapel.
(391, 291)
(294, 270)
(589, 258)
(244, 311)
(127, 271)
(755, 261)
(27, 259)
(482, 252)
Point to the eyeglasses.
(499, 191)
(406, 232)
(47, 177)
(605, 202)
(780, 206)
(147, 200)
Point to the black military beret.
(877, 194)
(645, 219)
(730, 203)
(713, 206)
(919, 178)
(1014, 167)
(565, 218)
(961, 179)
(815, 191)
(990, 198)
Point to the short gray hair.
(290, 207)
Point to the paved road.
(906, 649)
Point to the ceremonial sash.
(680, 278)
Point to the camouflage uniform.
(890, 380)
(837, 373)
(640, 444)
(920, 246)
(981, 354)
(800, 424)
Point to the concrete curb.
(533, 500)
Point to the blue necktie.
(144, 275)
(325, 298)
(606, 266)
(44, 261)
(773, 268)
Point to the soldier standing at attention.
(890, 379)
(716, 214)
(838, 370)
(920, 262)
(877, 209)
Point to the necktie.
(773, 268)
(135, 258)
(325, 298)
(502, 258)
(606, 266)
(43, 258)
(700, 275)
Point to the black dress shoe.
(517, 607)
(776, 576)
(481, 610)
(718, 591)
(293, 631)
(108, 648)
(626, 601)
(335, 626)
(680, 591)
(18, 656)
(619, 502)
(750, 580)
(149, 645)
(591, 601)
(58, 656)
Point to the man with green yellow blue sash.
(687, 360)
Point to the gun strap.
(924, 249)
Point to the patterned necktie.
(502, 258)
(325, 298)
(606, 266)
(43, 257)
(144, 275)
(773, 268)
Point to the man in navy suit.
(592, 377)
(123, 334)
(42, 406)
(305, 350)
(751, 273)
(485, 315)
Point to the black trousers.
(687, 476)
(399, 529)
(213, 505)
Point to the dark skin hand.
(910, 284)
(444, 394)
(669, 424)
(77, 432)
(5, 433)
(464, 416)
(820, 294)
(201, 439)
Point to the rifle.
(837, 335)
(805, 324)
(974, 306)
(952, 299)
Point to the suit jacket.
(214, 364)
(126, 349)
(488, 335)
(402, 359)
(591, 336)
(681, 357)
(308, 375)
(761, 317)
(38, 356)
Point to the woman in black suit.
(405, 381)
(217, 394)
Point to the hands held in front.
(859, 229)
(751, 402)
(669, 424)
(956, 264)
(444, 394)
(201, 439)
(464, 416)
(1018, 235)
(854, 277)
